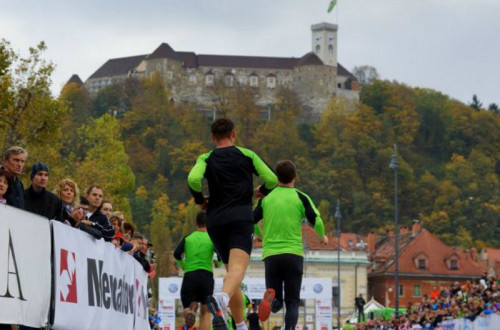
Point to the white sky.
(452, 46)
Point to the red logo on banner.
(67, 277)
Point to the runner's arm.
(179, 251)
(312, 214)
(262, 170)
(195, 178)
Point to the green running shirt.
(198, 251)
(282, 212)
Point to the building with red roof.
(425, 264)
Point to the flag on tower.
(332, 5)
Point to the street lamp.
(395, 166)
(338, 217)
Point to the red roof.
(425, 246)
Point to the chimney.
(371, 242)
(473, 254)
(403, 230)
(415, 228)
(484, 254)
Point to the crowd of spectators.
(470, 300)
(88, 212)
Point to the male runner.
(198, 282)
(283, 210)
(229, 171)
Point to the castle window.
(209, 79)
(243, 80)
(254, 81)
(192, 79)
(422, 264)
(170, 75)
(228, 80)
(401, 290)
(271, 82)
(330, 49)
(318, 49)
(339, 85)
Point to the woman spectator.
(5, 184)
(107, 208)
(67, 190)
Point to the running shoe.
(218, 309)
(190, 318)
(265, 305)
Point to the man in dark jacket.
(95, 217)
(13, 163)
(37, 199)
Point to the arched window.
(330, 49)
(318, 49)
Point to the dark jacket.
(15, 195)
(102, 224)
(43, 203)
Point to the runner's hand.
(257, 193)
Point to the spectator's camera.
(153, 256)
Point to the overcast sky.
(452, 46)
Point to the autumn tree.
(30, 116)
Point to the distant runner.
(283, 210)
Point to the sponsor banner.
(490, 322)
(96, 285)
(24, 267)
(319, 289)
(169, 290)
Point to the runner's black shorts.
(235, 235)
(197, 286)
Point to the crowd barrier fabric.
(96, 285)
(487, 322)
(24, 267)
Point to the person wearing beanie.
(37, 199)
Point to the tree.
(30, 116)
(105, 162)
(365, 74)
(493, 107)
(475, 104)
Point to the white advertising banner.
(24, 267)
(96, 285)
(319, 289)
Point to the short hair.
(84, 201)
(128, 226)
(68, 182)
(14, 150)
(286, 171)
(138, 236)
(106, 201)
(7, 177)
(89, 189)
(201, 219)
(222, 128)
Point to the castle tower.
(324, 42)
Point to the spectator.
(85, 224)
(107, 208)
(359, 302)
(5, 184)
(37, 199)
(115, 222)
(128, 231)
(67, 190)
(94, 196)
(138, 243)
(13, 163)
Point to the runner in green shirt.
(198, 282)
(282, 212)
